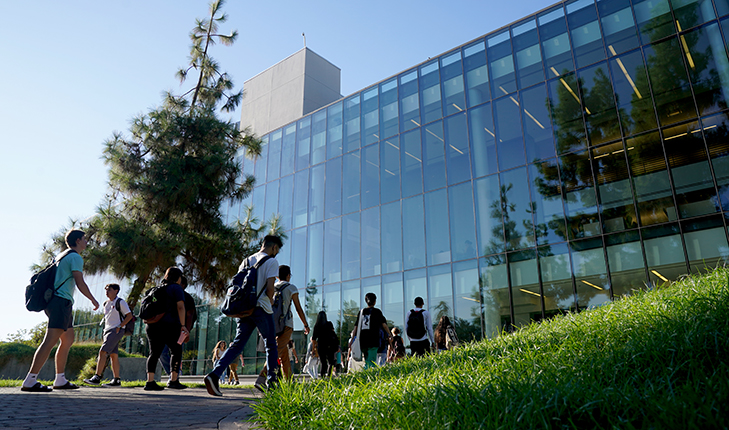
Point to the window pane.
(271, 205)
(333, 204)
(516, 209)
(285, 201)
(706, 244)
(650, 179)
(334, 131)
(529, 70)
(412, 164)
(274, 156)
(370, 116)
(389, 118)
(451, 73)
(391, 237)
(559, 296)
(600, 114)
(352, 134)
(258, 201)
(288, 148)
(457, 156)
(441, 292)
(434, 156)
(413, 234)
(371, 242)
(261, 162)
(350, 185)
(318, 137)
(664, 253)
(717, 139)
(390, 169)
(298, 259)
(333, 250)
(303, 143)
(555, 42)
(315, 253)
(632, 93)
(501, 64)
(613, 188)
(627, 268)
(489, 213)
(580, 202)
(477, 76)
(370, 176)
(436, 217)
(430, 105)
(585, 32)
(392, 300)
(618, 25)
(495, 296)
(461, 221)
(350, 305)
(690, 13)
(708, 67)
(301, 198)
(546, 190)
(483, 144)
(350, 247)
(694, 187)
(509, 140)
(331, 301)
(654, 19)
(670, 84)
(537, 126)
(525, 287)
(588, 263)
(566, 110)
(316, 199)
(467, 319)
(409, 101)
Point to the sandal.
(67, 386)
(37, 388)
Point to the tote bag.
(356, 348)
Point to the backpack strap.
(257, 266)
(62, 256)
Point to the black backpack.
(242, 296)
(154, 304)
(41, 289)
(416, 324)
(279, 316)
(129, 328)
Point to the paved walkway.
(127, 408)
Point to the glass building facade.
(550, 166)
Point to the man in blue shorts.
(60, 315)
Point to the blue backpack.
(242, 295)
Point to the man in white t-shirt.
(261, 318)
(114, 325)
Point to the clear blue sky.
(74, 72)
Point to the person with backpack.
(190, 318)
(163, 309)
(324, 339)
(265, 266)
(367, 326)
(419, 328)
(69, 275)
(445, 335)
(116, 316)
(285, 294)
(397, 350)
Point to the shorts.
(111, 340)
(60, 313)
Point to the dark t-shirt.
(175, 294)
(373, 320)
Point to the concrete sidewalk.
(127, 408)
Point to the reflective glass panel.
(618, 26)
(350, 305)
(390, 169)
(370, 116)
(650, 179)
(440, 288)
(537, 125)
(670, 84)
(501, 64)
(477, 76)
(566, 110)
(352, 128)
(556, 271)
(706, 244)
(613, 188)
(708, 67)
(580, 201)
(350, 246)
(555, 42)
(297, 262)
(318, 137)
(409, 101)
(288, 148)
(392, 304)
(483, 143)
(460, 199)
(271, 205)
(274, 156)
(546, 191)
(412, 163)
(494, 295)
(722, 7)
(690, 13)
(627, 267)
(588, 265)
(436, 218)
(350, 184)
(632, 93)
(258, 201)
(664, 253)
(490, 206)
(301, 198)
(468, 315)
(585, 31)
(716, 132)
(315, 254)
(434, 175)
(261, 162)
(391, 237)
(333, 250)
(430, 104)
(516, 209)
(285, 201)
(333, 197)
(451, 74)
(370, 176)
(509, 139)
(316, 194)
(526, 293)
(389, 118)
(303, 143)
(654, 19)
(332, 302)
(456, 143)
(600, 113)
(371, 242)
(413, 232)
(525, 39)
(334, 130)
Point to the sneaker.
(116, 382)
(176, 385)
(94, 380)
(152, 386)
(211, 383)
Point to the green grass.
(654, 360)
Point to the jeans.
(264, 322)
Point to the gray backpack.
(279, 313)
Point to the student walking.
(369, 330)
(323, 339)
(168, 331)
(397, 349)
(218, 351)
(260, 318)
(445, 335)
(116, 316)
(69, 275)
(419, 328)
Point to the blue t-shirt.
(72, 262)
(175, 293)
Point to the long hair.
(440, 330)
(320, 327)
(218, 345)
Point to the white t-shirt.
(268, 269)
(112, 319)
(286, 296)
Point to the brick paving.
(126, 408)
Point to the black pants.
(326, 357)
(420, 347)
(160, 334)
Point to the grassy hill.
(655, 360)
